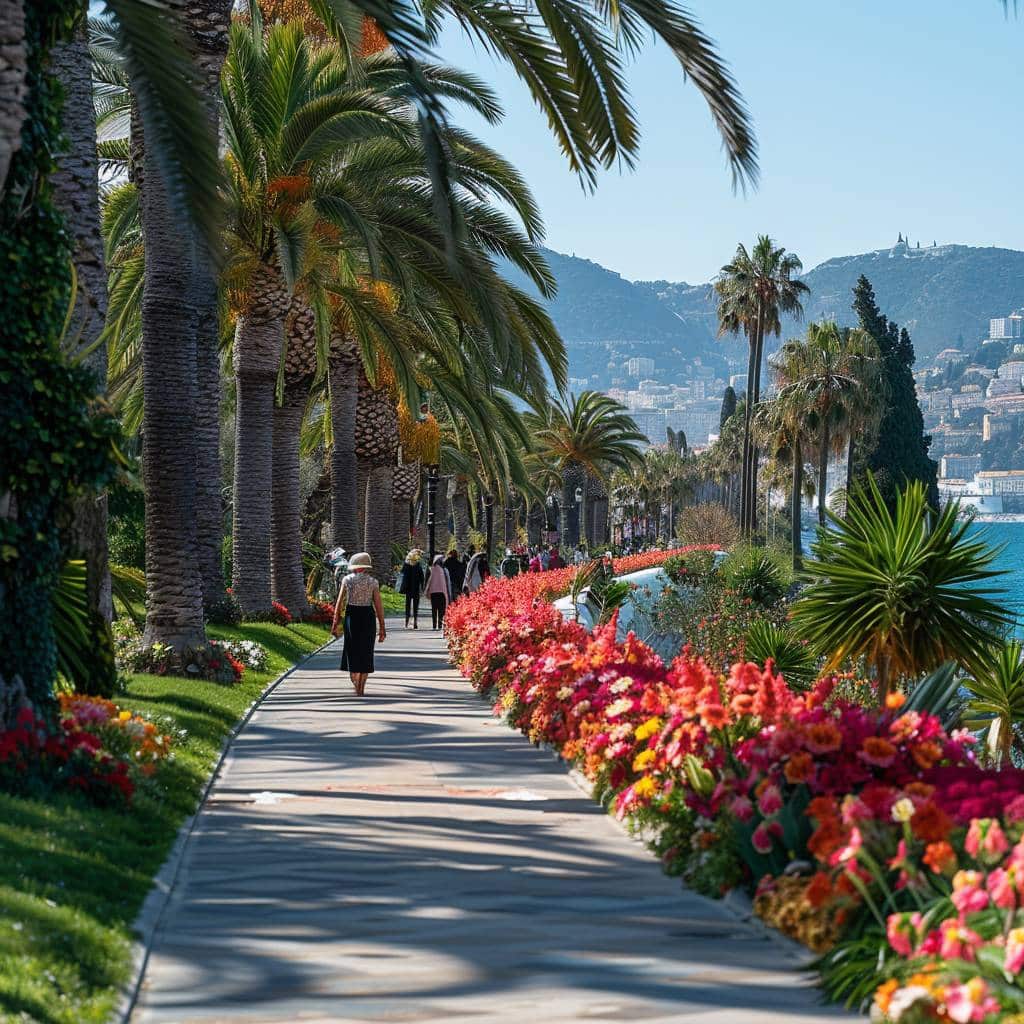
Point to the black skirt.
(360, 634)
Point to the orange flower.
(895, 700)
(819, 892)
(930, 823)
(918, 788)
(743, 704)
(940, 857)
(878, 751)
(823, 737)
(927, 754)
(713, 716)
(884, 994)
(827, 838)
(799, 767)
(822, 808)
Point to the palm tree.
(754, 290)
(829, 388)
(780, 426)
(899, 589)
(584, 434)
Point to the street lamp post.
(432, 480)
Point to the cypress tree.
(728, 408)
(900, 452)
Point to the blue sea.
(1009, 536)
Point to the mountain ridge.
(941, 294)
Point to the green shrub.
(770, 641)
(757, 576)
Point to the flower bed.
(738, 779)
(95, 748)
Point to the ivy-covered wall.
(55, 437)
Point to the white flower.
(903, 809)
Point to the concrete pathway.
(404, 857)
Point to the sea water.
(1008, 537)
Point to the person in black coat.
(411, 582)
(456, 571)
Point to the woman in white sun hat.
(358, 604)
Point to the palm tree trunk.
(207, 22)
(174, 605)
(378, 520)
(601, 521)
(747, 410)
(823, 472)
(13, 81)
(460, 512)
(75, 185)
(442, 535)
(849, 472)
(343, 385)
(259, 339)
(400, 523)
(534, 523)
(362, 479)
(883, 679)
(288, 582)
(754, 454)
(795, 505)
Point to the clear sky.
(872, 118)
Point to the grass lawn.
(393, 602)
(73, 877)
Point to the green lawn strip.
(73, 877)
(394, 602)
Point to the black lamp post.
(433, 472)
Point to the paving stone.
(395, 858)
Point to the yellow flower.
(645, 787)
(124, 716)
(649, 728)
(642, 760)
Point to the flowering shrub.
(208, 661)
(96, 749)
(734, 774)
(280, 615)
(247, 653)
(320, 612)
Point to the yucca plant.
(900, 589)
(768, 641)
(997, 698)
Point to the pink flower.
(986, 840)
(1002, 888)
(763, 837)
(968, 895)
(770, 801)
(957, 941)
(902, 932)
(1014, 951)
(969, 1003)
(741, 808)
(849, 851)
(1014, 810)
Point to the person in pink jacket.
(439, 589)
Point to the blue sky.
(872, 118)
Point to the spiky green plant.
(768, 641)
(901, 589)
(997, 697)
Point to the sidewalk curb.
(148, 920)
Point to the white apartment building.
(1000, 386)
(1003, 328)
(639, 366)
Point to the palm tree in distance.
(754, 290)
(830, 378)
(585, 434)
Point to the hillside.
(940, 293)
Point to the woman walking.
(410, 583)
(439, 587)
(358, 605)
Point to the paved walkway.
(404, 857)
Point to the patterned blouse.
(359, 589)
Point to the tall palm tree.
(583, 434)
(754, 289)
(831, 376)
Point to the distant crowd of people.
(443, 581)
